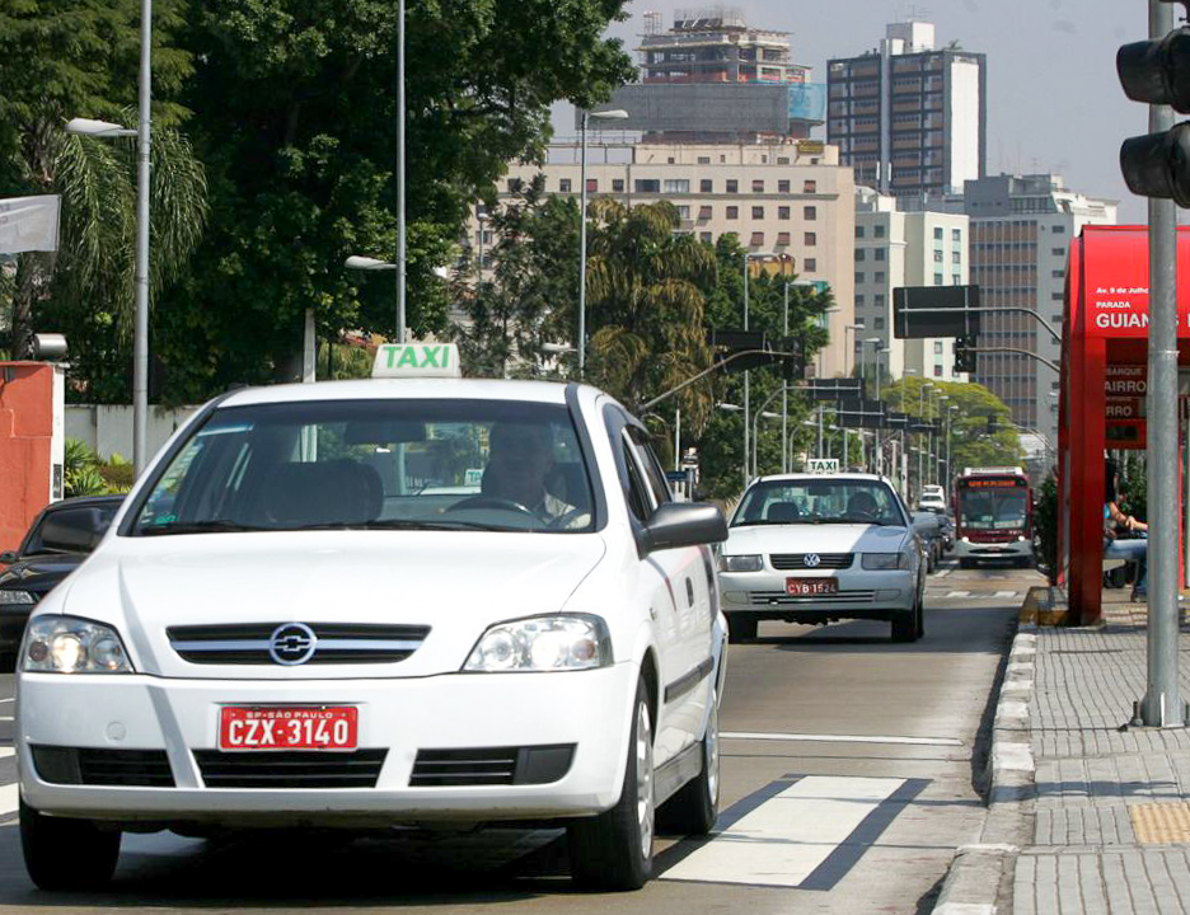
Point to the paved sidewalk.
(1108, 826)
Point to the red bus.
(993, 508)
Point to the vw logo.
(813, 560)
(292, 643)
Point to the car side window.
(638, 500)
(654, 476)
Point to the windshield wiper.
(763, 521)
(199, 527)
(403, 524)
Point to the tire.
(741, 626)
(966, 563)
(67, 854)
(921, 617)
(614, 851)
(905, 625)
(694, 809)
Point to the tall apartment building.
(909, 117)
(712, 78)
(894, 249)
(1021, 228)
(784, 199)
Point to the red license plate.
(288, 728)
(808, 587)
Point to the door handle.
(689, 592)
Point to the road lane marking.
(1004, 594)
(10, 799)
(6, 752)
(844, 738)
(959, 594)
(806, 834)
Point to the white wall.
(107, 430)
(963, 118)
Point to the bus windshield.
(993, 509)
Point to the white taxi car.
(304, 616)
(818, 548)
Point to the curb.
(973, 882)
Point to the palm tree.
(646, 306)
(94, 269)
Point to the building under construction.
(713, 78)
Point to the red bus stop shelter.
(1103, 385)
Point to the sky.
(1054, 101)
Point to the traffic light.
(964, 354)
(1158, 72)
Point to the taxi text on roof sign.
(417, 360)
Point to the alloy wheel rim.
(644, 779)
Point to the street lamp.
(756, 431)
(356, 262)
(140, 324)
(928, 386)
(613, 115)
(850, 349)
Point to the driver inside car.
(520, 461)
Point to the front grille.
(290, 769)
(92, 766)
(336, 643)
(491, 766)
(786, 561)
(780, 598)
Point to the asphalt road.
(848, 768)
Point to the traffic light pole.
(1162, 704)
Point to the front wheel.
(694, 809)
(614, 851)
(740, 626)
(67, 854)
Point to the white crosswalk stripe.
(959, 594)
(8, 793)
(1004, 594)
(785, 839)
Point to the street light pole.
(785, 390)
(401, 226)
(747, 377)
(140, 333)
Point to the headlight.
(885, 561)
(67, 644)
(543, 643)
(741, 563)
(16, 597)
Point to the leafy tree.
(297, 127)
(532, 290)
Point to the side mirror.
(74, 530)
(678, 524)
(925, 521)
(8, 557)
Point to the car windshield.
(819, 501)
(992, 509)
(378, 464)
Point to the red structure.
(1104, 381)
(30, 445)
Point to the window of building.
(647, 185)
(733, 186)
(879, 254)
(514, 185)
(617, 185)
(860, 255)
(938, 233)
(733, 212)
(811, 264)
(859, 231)
(937, 257)
(783, 212)
(782, 160)
(704, 236)
(937, 347)
(860, 279)
(1057, 297)
(683, 211)
(810, 213)
(592, 185)
(878, 279)
(757, 239)
(956, 235)
(1058, 252)
(809, 187)
(859, 301)
(783, 186)
(564, 185)
(937, 279)
(878, 324)
(937, 371)
(677, 185)
(956, 257)
(810, 240)
(878, 231)
(706, 186)
(879, 303)
(704, 212)
(1057, 274)
(758, 186)
(783, 238)
(704, 160)
(1057, 230)
(956, 279)
(758, 212)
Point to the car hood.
(457, 583)
(815, 538)
(38, 574)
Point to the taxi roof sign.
(417, 360)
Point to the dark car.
(57, 542)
